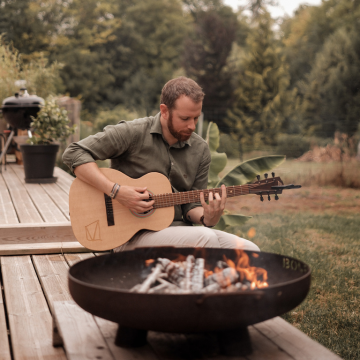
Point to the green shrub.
(41, 79)
(293, 145)
(51, 124)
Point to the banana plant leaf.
(218, 163)
(213, 136)
(247, 171)
(231, 220)
(218, 160)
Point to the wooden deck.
(37, 249)
(35, 215)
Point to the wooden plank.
(7, 210)
(25, 209)
(42, 248)
(28, 313)
(293, 341)
(265, 349)
(72, 259)
(44, 204)
(59, 197)
(64, 180)
(4, 348)
(109, 329)
(52, 271)
(33, 233)
(81, 336)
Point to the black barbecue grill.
(17, 111)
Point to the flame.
(251, 233)
(149, 262)
(238, 270)
(255, 275)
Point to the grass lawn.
(319, 225)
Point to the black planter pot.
(39, 162)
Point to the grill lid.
(23, 101)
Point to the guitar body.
(100, 227)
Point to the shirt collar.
(156, 129)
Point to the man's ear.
(164, 111)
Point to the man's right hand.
(135, 198)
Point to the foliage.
(239, 175)
(261, 96)
(293, 145)
(41, 79)
(51, 124)
(206, 53)
(112, 117)
(331, 94)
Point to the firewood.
(175, 272)
(197, 281)
(212, 288)
(224, 278)
(221, 264)
(190, 263)
(135, 288)
(145, 286)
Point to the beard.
(179, 135)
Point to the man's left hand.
(215, 208)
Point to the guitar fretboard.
(186, 197)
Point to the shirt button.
(172, 163)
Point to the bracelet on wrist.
(202, 221)
(114, 191)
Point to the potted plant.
(49, 128)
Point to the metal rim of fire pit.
(194, 312)
(244, 292)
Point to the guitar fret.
(186, 197)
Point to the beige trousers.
(187, 236)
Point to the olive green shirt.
(138, 147)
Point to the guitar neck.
(186, 197)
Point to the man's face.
(183, 118)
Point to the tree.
(261, 96)
(206, 53)
(331, 93)
(304, 34)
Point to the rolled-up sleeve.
(112, 142)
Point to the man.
(165, 143)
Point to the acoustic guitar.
(100, 223)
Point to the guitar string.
(172, 199)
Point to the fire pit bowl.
(100, 285)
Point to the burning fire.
(188, 273)
(255, 275)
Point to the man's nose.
(192, 125)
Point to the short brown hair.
(182, 85)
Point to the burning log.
(175, 271)
(145, 286)
(184, 277)
(197, 281)
(190, 263)
(224, 278)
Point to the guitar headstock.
(269, 186)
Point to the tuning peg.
(261, 197)
(266, 175)
(276, 197)
(269, 197)
(258, 177)
(273, 174)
